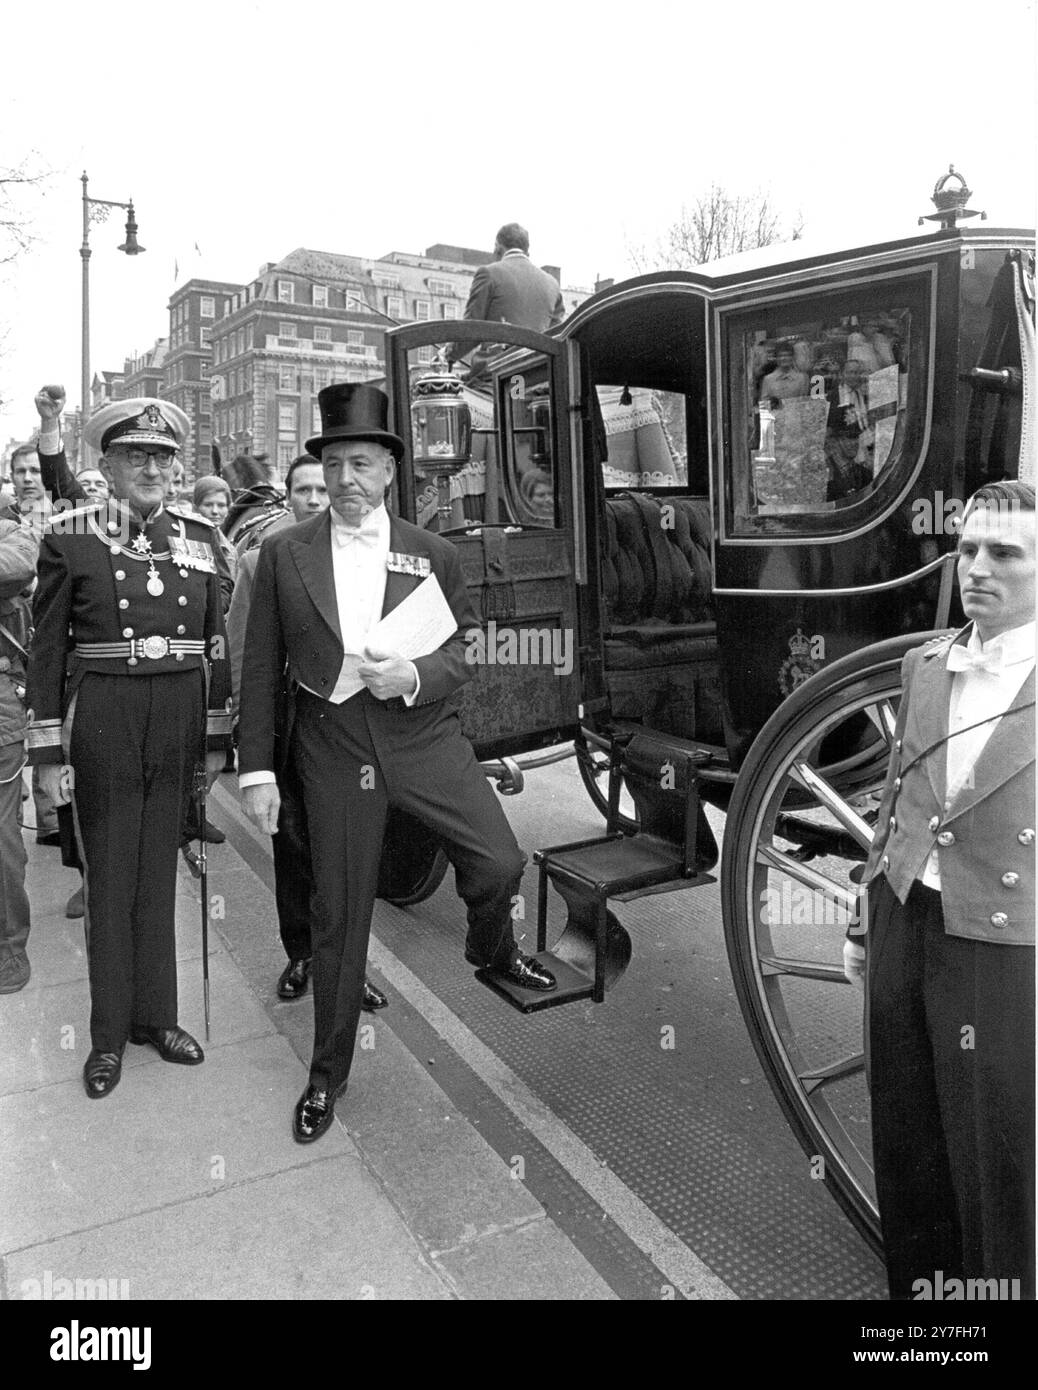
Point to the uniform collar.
(1016, 644)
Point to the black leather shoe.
(101, 1072)
(528, 972)
(294, 979)
(172, 1044)
(373, 998)
(314, 1112)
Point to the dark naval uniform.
(128, 682)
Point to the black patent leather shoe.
(373, 998)
(294, 979)
(101, 1073)
(172, 1044)
(524, 971)
(314, 1112)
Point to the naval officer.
(128, 691)
(951, 914)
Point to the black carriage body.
(704, 557)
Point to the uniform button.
(897, 746)
(947, 805)
(127, 631)
(183, 574)
(182, 600)
(131, 661)
(886, 861)
(124, 603)
(120, 574)
(897, 784)
(116, 549)
(179, 656)
(999, 919)
(893, 822)
(946, 838)
(113, 526)
(1010, 880)
(1026, 837)
(181, 629)
(933, 822)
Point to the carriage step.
(571, 985)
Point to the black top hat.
(354, 411)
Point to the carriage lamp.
(441, 430)
(950, 202)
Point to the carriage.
(702, 521)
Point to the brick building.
(194, 311)
(144, 373)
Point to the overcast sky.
(251, 127)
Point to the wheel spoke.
(818, 1077)
(833, 802)
(844, 899)
(805, 969)
(883, 716)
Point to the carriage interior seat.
(661, 638)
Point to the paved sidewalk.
(186, 1183)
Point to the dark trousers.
(293, 876)
(134, 744)
(952, 1123)
(354, 761)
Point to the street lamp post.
(97, 210)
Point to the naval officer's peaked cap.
(141, 421)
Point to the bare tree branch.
(16, 233)
(717, 224)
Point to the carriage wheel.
(798, 824)
(413, 864)
(593, 765)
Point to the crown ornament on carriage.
(951, 202)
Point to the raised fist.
(50, 402)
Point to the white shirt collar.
(376, 523)
(1017, 644)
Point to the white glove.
(854, 963)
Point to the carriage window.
(818, 398)
(530, 474)
(461, 468)
(645, 437)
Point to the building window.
(322, 335)
(241, 340)
(205, 335)
(449, 311)
(248, 378)
(285, 292)
(354, 337)
(286, 453)
(440, 286)
(425, 354)
(248, 335)
(322, 377)
(422, 310)
(207, 307)
(286, 378)
(315, 417)
(394, 306)
(386, 281)
(286, 330)
(288, 416)
(320, 296)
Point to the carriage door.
(486, 427)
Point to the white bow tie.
(367, 533)
(959, 659)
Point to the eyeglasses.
(140, 458)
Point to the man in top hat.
(951, 930)
(320, 587)
(128, 690)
